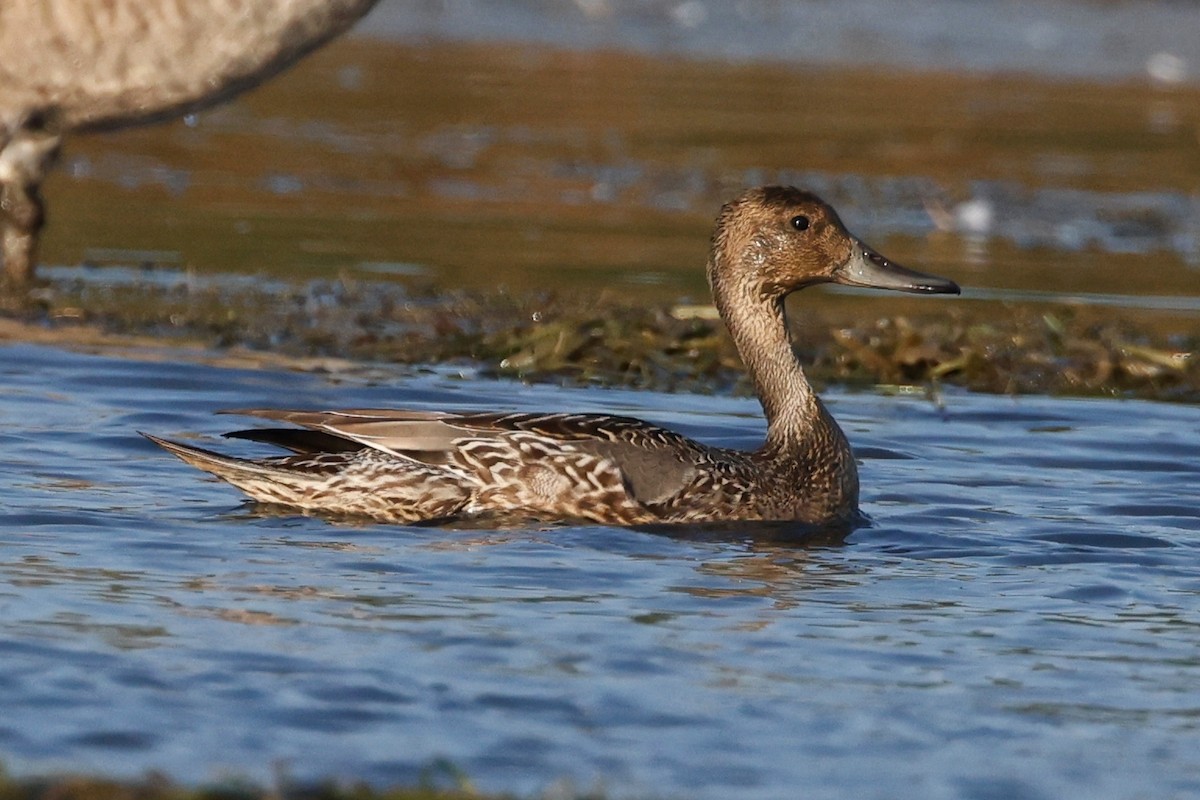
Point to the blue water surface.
(1021, 620)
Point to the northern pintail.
(409, 466)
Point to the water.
(1021, 620)
(1110, 41)
(436, 151)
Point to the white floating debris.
(975, 216)
(1166, 68)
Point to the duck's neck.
(758, 326)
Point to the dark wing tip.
(298, 440)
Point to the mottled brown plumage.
(408, 466)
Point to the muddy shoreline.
(606, 338)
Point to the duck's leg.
(25, 156)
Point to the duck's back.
(98, 63)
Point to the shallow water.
(431, 149)
(1111, 41)
(1021, 620)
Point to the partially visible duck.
(68, 65)
(410, 466)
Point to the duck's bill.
(867, 268)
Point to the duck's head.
(776, 239)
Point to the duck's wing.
(401, 433)
(656, 462)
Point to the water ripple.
(1022, 604)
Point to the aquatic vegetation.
(607, 339)
(1058, 351)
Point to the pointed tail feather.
(227, 468)
(341, 483)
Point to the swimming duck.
(411, 466)
(103, 64)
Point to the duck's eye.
(800, 223)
